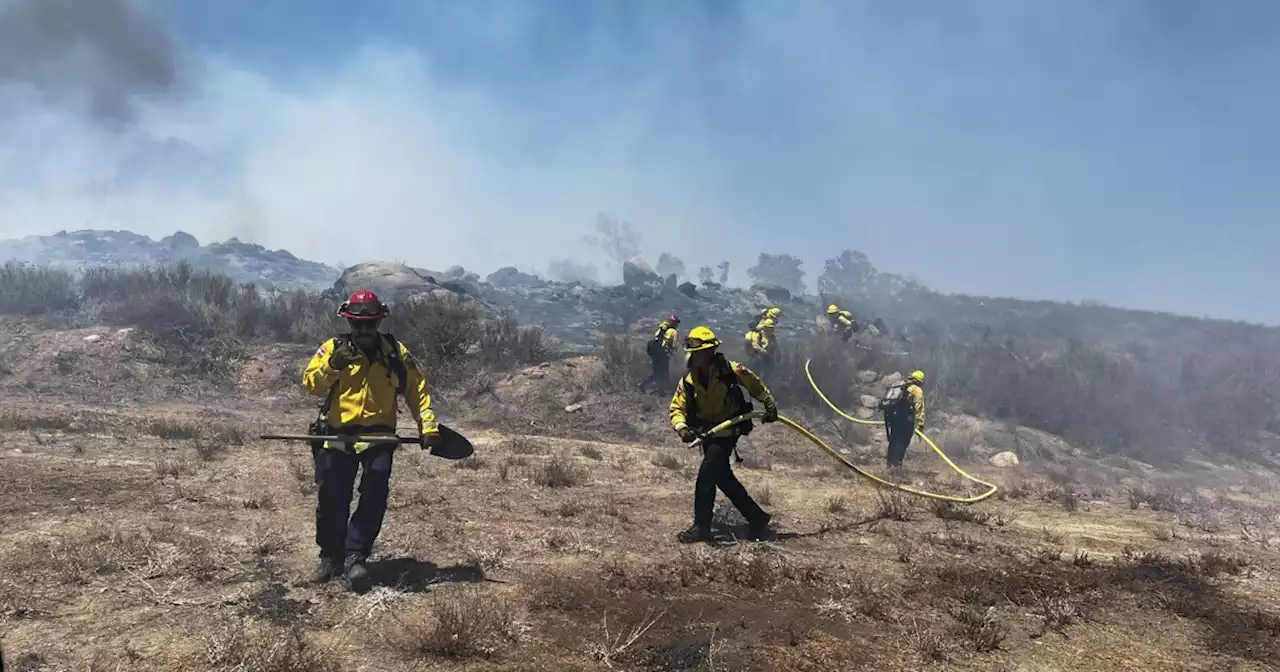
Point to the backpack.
(655, 348)
(896, 399)
(394, 362)
(725, 373)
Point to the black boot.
(358, 579)
(759, 528)
(695, 534)
(328, 570)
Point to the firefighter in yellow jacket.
(660, 347)
(903, 408)
(360, 375)
(761, 345)
(710, 393)
(841, 321)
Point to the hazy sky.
(1123, 150)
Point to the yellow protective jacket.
(760, 341)
(842, 320)
(666, 336)
(366, 391)
(713, 402)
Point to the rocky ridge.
(576, 315)
(243, 262)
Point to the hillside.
(143, 525)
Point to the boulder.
(636, 273)
(509, 277)
(1004, 459)
(688, 289)
(891, 379)
(868, 401)
(181, 241)
(774, 293)
(867, 377)
(391, 282)
(863, 413)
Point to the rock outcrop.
(243, 262)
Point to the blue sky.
(1125, 151)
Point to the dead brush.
(667, 461)
(171, 429)
(463, 623)
(470, 464)
(752, 566)
(559, 472)
(892, 505)
(951, 511)
(1056, 611)
(837, 504)
(981, 630)
(591, 453)
(615, 644)
(261, 647)
(303, 476)
(170, 467)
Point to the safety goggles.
(693, 344)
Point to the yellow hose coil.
(800, 429)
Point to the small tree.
(778, 269)
(849, 274)
(706, 275)
(668, 264)
(724, 272)
(615, 237)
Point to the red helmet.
(363, 305)
(673, 319)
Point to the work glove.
(770, 414)
(687, 435)
(343, 356)
(429, 441)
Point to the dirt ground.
(152, 530)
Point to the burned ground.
(153, 531)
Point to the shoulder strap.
(396, 363)
(730, 380)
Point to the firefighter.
(659, 349)
(903, 407)
(761, 345)
(360, 375)
(841, 321)
(771, 313)
(710, 393)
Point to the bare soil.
(144, 527)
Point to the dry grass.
(170, 549)
(462, 624)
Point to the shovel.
(452, 446)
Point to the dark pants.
(336, 470)
(661, 375)
(898, 429)
(716, 472)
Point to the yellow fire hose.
(802, 431)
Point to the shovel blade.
(453, 446)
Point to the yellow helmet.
(773, 312)
(918, 376)
(700, 338)
(832, 309)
